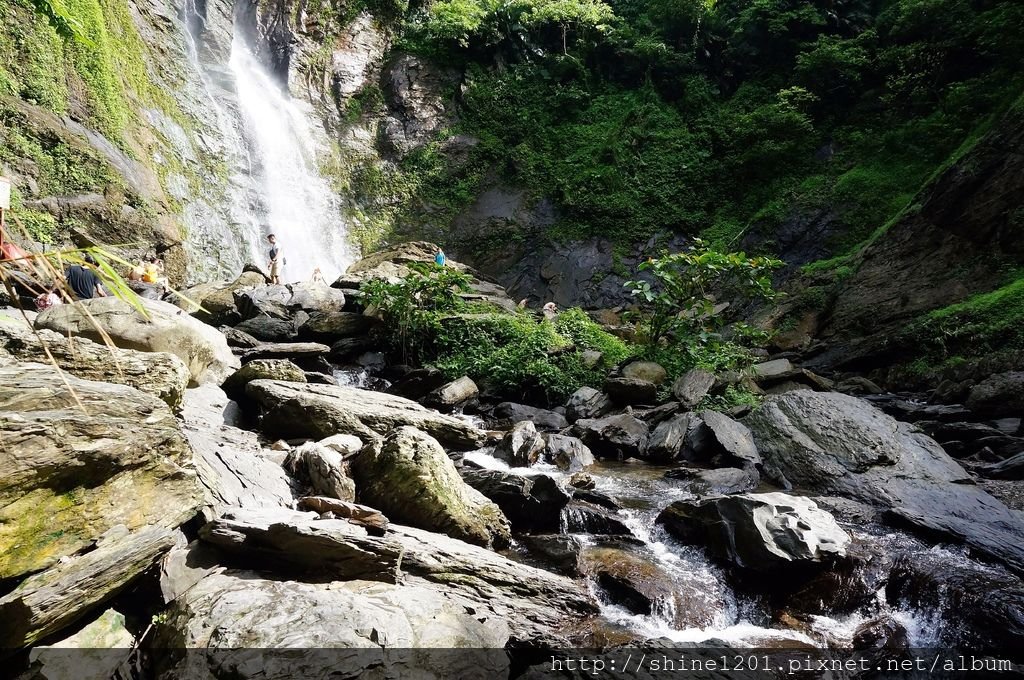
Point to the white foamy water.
(295, 203)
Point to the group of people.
(84, 283)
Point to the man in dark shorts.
(83, 280)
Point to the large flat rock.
(318, 411)
(832, 443)
(80, 457)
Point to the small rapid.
(693, 601)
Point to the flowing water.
(272, 154)
(701, 606)
(298, 204)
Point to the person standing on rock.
(440, 258)
(83, 280)
(276, 260)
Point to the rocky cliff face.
(961, 236)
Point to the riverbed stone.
(521, 446)
(570, 454)
(620, 436)
(324, 469)
(262, 369)
(648, 371)
(835, 444)
(693, 386)
(507, 414)
(586, 402)
(767, 533)
(318, 411)
(669, 439)
(409, 477)
(79, 458)
(998, 396)
(165, 328)
(532, 503)
(452, 394)
(160, 374)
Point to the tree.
(685, 289)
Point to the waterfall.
(270, 147)
(298, 203)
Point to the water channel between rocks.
(692, 599)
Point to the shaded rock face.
(693, 386)
(621, 436)
(937, 254)
(167, 329)
(160, 374)
(50, 600)
(507, 414)
(998, 396)
(410, 478)
(836, 444)
(566, 273)
(986, 604)
(531, 503)
(318, 411)
(586, 402)
(419, 103)
(769, 532)
(118, 460)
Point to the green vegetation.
(427, 322)
(686, 288)
(710, 118)
(984, 326)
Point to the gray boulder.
(323, 469)
(315, 297)
(835, 444)
(621, 436)
(531, 503)
(165, 328)
(234, 468)
(53, 599)
(648, 371)
(410, 478)
(318, 411)
(507, 414)
(521, 446)
(332, 325)
(586, 402)
(269, 329)
(669, 440)
(160, 374)
(450, 589)
(450, 395)
(769, 533)
(716, 434)
(630, 391)
(286, 350)
(568, 453)
(262, 369)
(1000, 395)
(692, 387)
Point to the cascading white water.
(297, 203)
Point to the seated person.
(83, 281)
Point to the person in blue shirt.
(439, 259)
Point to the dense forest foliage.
(707, 117)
